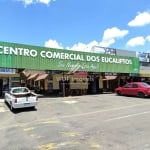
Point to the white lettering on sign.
(59, 55)
(93, 58)
(6, 50)
(1, 49)
(116, 60)
(18, 51)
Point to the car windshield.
(20, 90)
(145, 84)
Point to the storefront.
(64, 64)
(8, 78)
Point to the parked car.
(140, 89)
(20, 97)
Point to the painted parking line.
(51, 121)
(29, 129)
(70, 102)
(63, 145)
(101, 111)
(127, 116)
(72, 144)
(25, 126)
(71, 134)
(56, 119)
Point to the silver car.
(20, 97)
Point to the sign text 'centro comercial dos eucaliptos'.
(62, 55)
(13, 55)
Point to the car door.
(126, 89)
(133, 90)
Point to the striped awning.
(32, 77)
(41, 77)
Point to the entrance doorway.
(93, 85)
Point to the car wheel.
(5, 100)
(33, 107)
(141, 95)
(119, 93)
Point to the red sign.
(81, 73)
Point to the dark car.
(140, 89)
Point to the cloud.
(111, 35)
(114, 33)
(148, 38)
(107, 43)
(84, 47)
(136, 41)
(141, 19)
(77, 47)
(29, 2)
(53, 44)
(80, 47)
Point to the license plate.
(26, 103)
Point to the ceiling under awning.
(110, 78)
(33, 76)
(41, 77)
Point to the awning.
(41, 77)
(33, 76)
(110, 77)
(25, 74)
(30, 71)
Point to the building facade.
(49, 70)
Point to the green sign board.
(13, 55)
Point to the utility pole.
(63, 82)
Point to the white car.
(20, 97)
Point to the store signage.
(14, 55)
(81, 73)
(19, 51)
(143, 57)
(7, 71)
(104, 50)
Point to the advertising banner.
(104, 50)
(7, 71)
(143, 57)
(13, 55)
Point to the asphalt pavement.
(89, 122)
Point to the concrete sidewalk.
(1, 100)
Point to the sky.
(77, 24)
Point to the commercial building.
(53, 71)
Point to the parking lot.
(90, 122)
